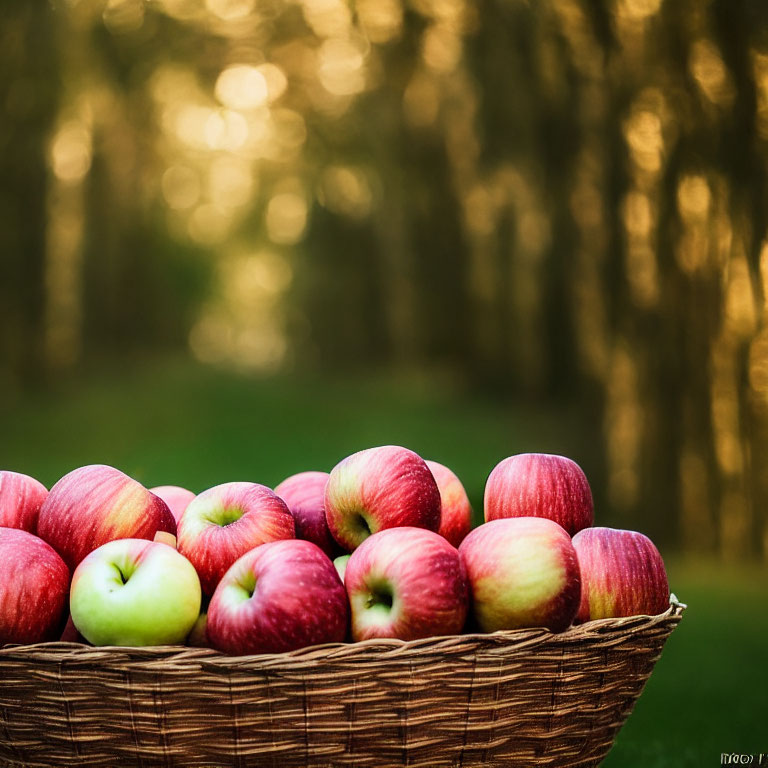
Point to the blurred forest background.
(242, 238)
(558, 205)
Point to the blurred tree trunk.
(28, 95)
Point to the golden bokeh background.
(244, 238)
(560, 201)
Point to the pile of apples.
(380, 547)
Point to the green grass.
(196, 427)
(709, 691)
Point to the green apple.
(135, 592)
(341, 565)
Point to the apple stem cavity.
(362, 524)
(247, 586)
(380, 598)
(124, 573)
(226, 516)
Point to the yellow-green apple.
(540, 485)
(406, 583)
(176, 497)
(21, 497)
(622, 574)
(304, 493)
(224, 522)
(340, 563)
(380, 488)
(522, 572)
(134, 592)
(455, 509)
(278, 597)
(95, 504)
(34, 584)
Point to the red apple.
(95, 504)
(21, 497)
(379, 488)
(70, 633)
(34, 586)
(304, 494)
(175, 497)
(523, 572)
(406, 583)
(198, 635)
(278, 597)
(622, 574)
(455, 509)
(540, 485)
(226, 521)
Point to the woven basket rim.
(388, 646)
(475, 700)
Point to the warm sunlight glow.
(230, 10)
(441, 48)
(226, 129)
(382, 20)
(327, 18)
(341, 66)
(708, 69)
(638, 10)
(275, 80)
(123, 15)
(693, 198)
(242, 87)
(345, 190)
(286, 218)
(209, 224)
(181, 187)
(644, 137)
(71, 152)
(230, 184)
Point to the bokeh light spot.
(242, 86)
(341, 66)
(286, 218)
(181, 187)
(71, 152)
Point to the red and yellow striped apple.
(455, 509)
(21, 497)
(226, 521)
(95, 504)
(34, 584)
(522, 572)
(406, 583)
(176, 497)
(280, 596)
(540, 485)
(622, 574)
(380, 488)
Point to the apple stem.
(123, 577)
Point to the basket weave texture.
(517, 698)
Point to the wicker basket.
(520, 698)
